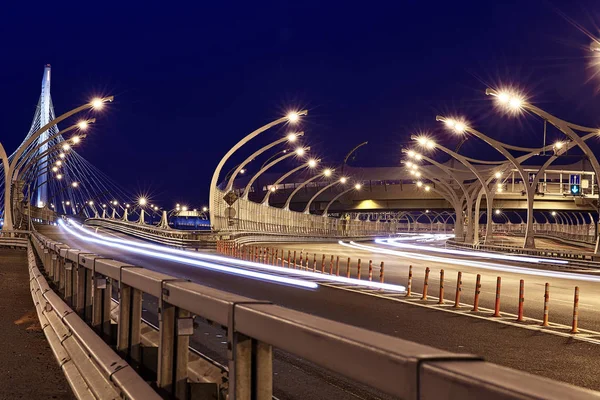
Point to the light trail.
(506, 257)
(244, 263)
(197, 263)
(475, 264)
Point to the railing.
(91, 367)
(169, 237)
(398, 367)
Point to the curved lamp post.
(291, 118)
(290, 138)
(356, 187)
(342, 181)
(298, 152)
(514, 103)
(9, 166)
(312, 163)
(326, 173)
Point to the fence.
(398, 367)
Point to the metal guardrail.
(401, 368)
(554, 253)
(91, 367)
(174, 238)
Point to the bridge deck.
(27, 366)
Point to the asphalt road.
(396, 271)
(559, 358)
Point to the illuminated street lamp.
(356, 187)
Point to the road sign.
(230, 197)
(575, 184)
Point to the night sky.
(190, 79)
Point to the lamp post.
(325, 173)
(292, 118)
(300, 151)
(515, 103)
(341, 181)
(289, 138)
(356, 187)
(9, 166)
(312, 163)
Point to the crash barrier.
(91, 367)
(169, 237)
(254, 328)
(550, 253)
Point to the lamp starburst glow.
(66, 146)
(427, 188)
(292, 137)
(83, 125)
(75, 139)
(312, 163)
(293, 117)
(508, 99)
(498, 212)
(498, 175)
(418, 156)
(419, 184)
(408, 164)
(142, 201)
(273, 189)
(61, 155)
(59, 176)
(204, 209)
(327, 172)
(54, 169)
(426, 142)
(91, 203)
(411, 153)
(75, 184)
(554, 213)
(558, 145)
(300, 151)
(97, 103)
(343, 179)
(357, 186)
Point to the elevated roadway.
(558, 357)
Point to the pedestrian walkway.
(28, 368)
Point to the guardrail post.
(101, 304)
(294, 260)
(425, 284)
(370, 270)
(130, 318)
(477, 292)
(323, 264)
(175, 327)
(348, 268)
(68, 265)
(546, 304)
(288, 259)
(314, 267)
(381, 272)
(458, 290)
(358, 270)
(301, 257)
(337, 266)
(441, 295)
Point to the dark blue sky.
(192, 78)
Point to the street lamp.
(312, 163)
(291, 117)
(342, 181)
(356, 187)
(290, 138)
(327, 172)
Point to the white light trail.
(197, 263)
(247, 264)
(476, 264)
(480, 254)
